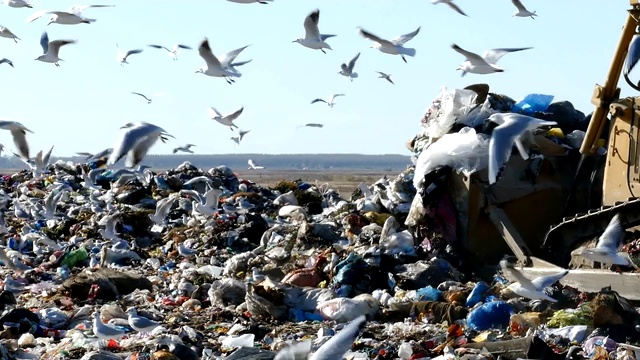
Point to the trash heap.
(221, 267)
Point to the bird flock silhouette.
(138, 137)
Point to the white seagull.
(334, 348)
(73, 16)
(312, 37)
(7, 61)
(225, 120)
(531, 289)
(146, 98)
(17, 3)
(512, 129)
(606, 250)
(330, 102)
(135, 142)
(485, 64)
(522, 11)
(18, 132)
(103, 331)
(213, 66)
(250, 1)
(451, 5)
(6, 33)
(174, 51)
(186, 148)
(51, 49)
(241, 134)
(347, 69)
(314, 125)
(253, 166)
(382, 75)
(227, 60)
(394, 46)
(123, 55)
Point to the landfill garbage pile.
(194, 264)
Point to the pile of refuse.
(194, 264)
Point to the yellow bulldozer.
(545, 223)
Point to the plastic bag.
(491, 315)
(465, 151)
(446, 108)
(478, 115)
(533, 103)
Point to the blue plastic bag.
(428, 294)
(491, 315)
(477, 294)
(533, 103)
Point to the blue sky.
(81, 105)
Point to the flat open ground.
(343, 181)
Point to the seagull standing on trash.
(531, 289)
(485, 64)
(312, 37)
(103, 331)
(522, 11)
(139, 323)
(347, 69)
(606, 250)
(51, 49)
(451, 5)
(394, 46)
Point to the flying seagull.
(50, 49)
(146, 98)
(6, 33)
(135, 141)
(384, 76)
(253, 166)
(225, 120)
(186, 148)
(315, 125)
(522, 11)
(250, 1)
(227, 60)
(212, 66)
(512, 130)
(347, 70)
(241, 134)
(18, 132)
(73, 16)
(451, 5)
(312, 37)
(531, 289)
(330, 102)
(606, 250)
(5, 60)
(17, 3)
(174, 51)
(485, 64)
(394, 46)
(124, 55)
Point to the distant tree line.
(333, 162)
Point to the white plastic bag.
(445, 110)
(465, 151)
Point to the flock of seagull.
(137, 137)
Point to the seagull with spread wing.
(522, 11)
(186, 148)
(213, 67)
(606, 250)
(225, 120)
(330, 102)
(253, 166)
(347, 69)
(387, 77)
(173, 52)
(6, 61)
(312, 37)
(394, 46)
(485, 64)
(531, 289)
(451, 4)
(6, 33)
(73, 16)
(124, 55)
(51, 49)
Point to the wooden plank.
(510, 234)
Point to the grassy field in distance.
(343, 181)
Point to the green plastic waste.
(75, 257)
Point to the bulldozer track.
(561, 239)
